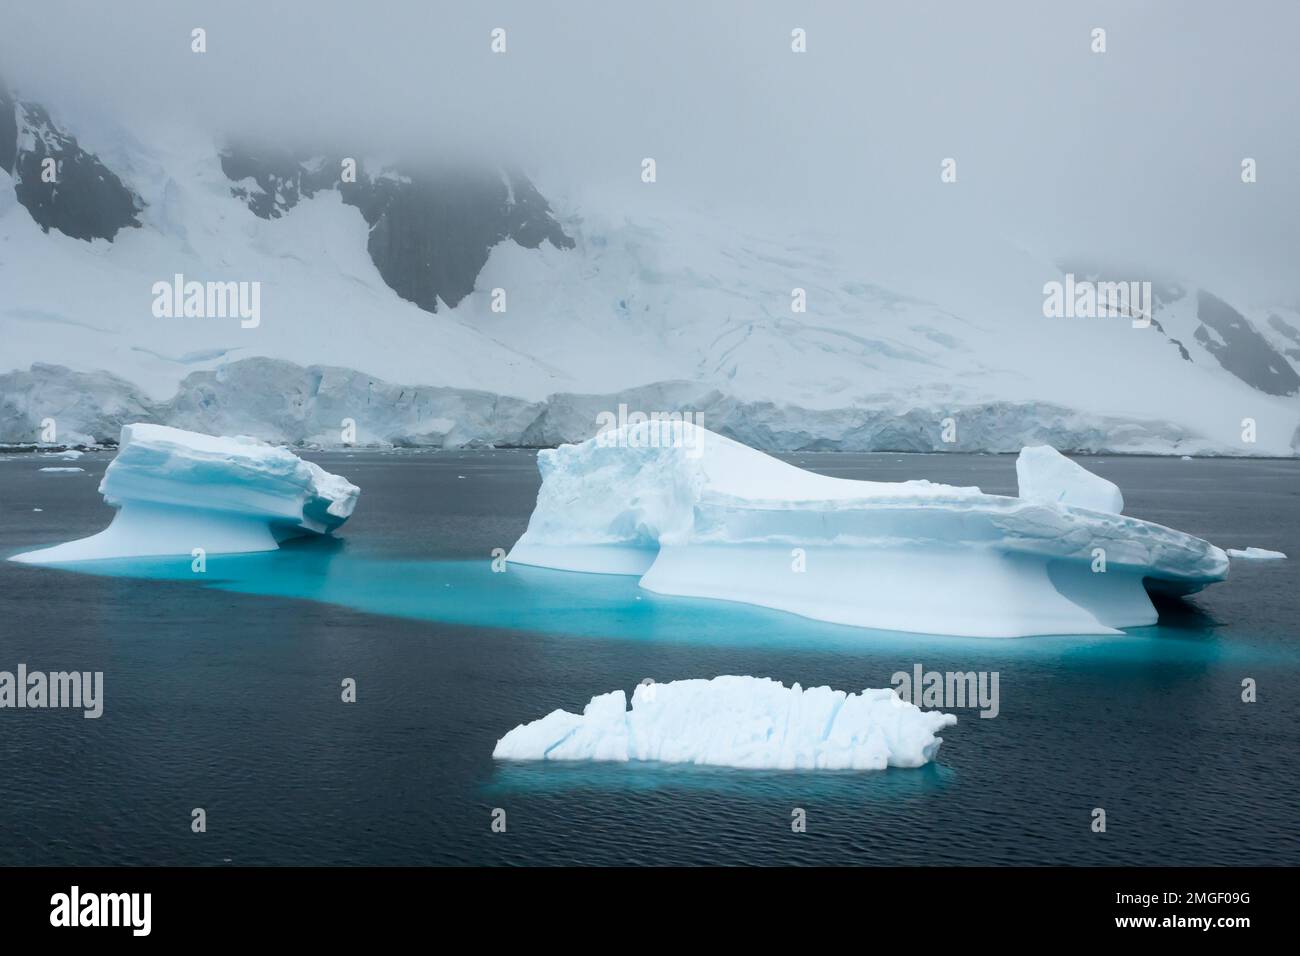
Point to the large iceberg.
(696, 514)
(737, 722)
(176, 491)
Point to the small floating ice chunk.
(177, 490)
(64, 471)
(732, 721)
(1044, 474)
(1256, 554)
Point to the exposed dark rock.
(86, 200)
(281, 178)
(1289, 331)
(8, 130)
(431, 230)
(1240, 349)
(1182, 349)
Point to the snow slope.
(652, 304)
(737, 722)
(698, 515)
(176, 491)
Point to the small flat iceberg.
(1255, 554)
(176, 491)
(747, 722)
(694, 514)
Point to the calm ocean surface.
(222, 691)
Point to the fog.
(1132, 155)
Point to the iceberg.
(1044, 474)
(729, 721)
(695, 514)
(177, 490)
(1256, 554)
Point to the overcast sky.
(1132, 155)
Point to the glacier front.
(696, 514)
(176, 491)
(733, 721)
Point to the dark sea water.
(222, 691)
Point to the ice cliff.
(696, 514)
(737, 722)
(176, 491)
(287, 403)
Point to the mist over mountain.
(432, 224)
(431, 227)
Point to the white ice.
(176, 491)
(1256, 554)
(677, 286)
(696, 514)
(1044, 474)
(729, 721)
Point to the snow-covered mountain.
(455, 304)
(430, 230)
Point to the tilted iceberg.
(1044, 474)
(696, 514)
(737, 722)
(176, 491)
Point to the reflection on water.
(224, 688)
(560, 776)
(614, 607)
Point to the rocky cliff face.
(8, 131)
(84, 199)
(431, 230)
(1227, 335)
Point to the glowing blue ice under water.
(614, 607)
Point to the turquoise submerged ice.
(176, 491)
(694, 514)
(737, 722)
